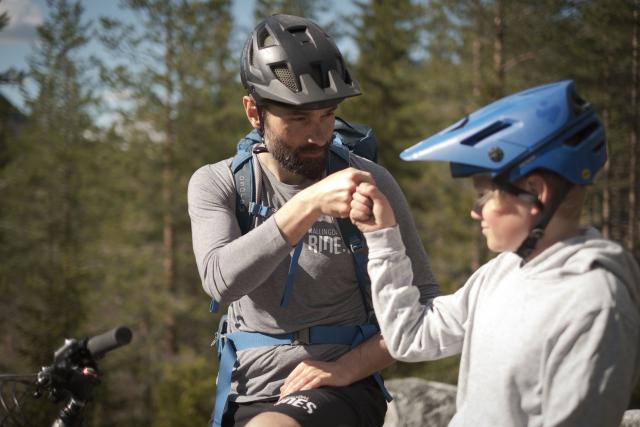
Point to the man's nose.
(318, 135)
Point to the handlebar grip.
(103, 343)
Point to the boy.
(549, 330)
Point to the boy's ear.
(537, 185)
(251, 111)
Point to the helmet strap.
(537, 232)
(260, 109)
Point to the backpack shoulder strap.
(352, 237)
(244, 176)
(242, 169)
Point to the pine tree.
(305, 8)
(634, 151)
(184, 111)
(45, 222)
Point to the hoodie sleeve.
(591, 368)
(412, 331)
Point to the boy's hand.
(370, 209)
(332, 195)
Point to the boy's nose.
(476, 213)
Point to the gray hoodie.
(552, 343)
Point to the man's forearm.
(296, 217)
(369, 357)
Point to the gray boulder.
(631, 418)
(418, 403)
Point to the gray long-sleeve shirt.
(555, 342)
(249, 273)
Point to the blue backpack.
(347, 138)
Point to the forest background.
(94, 231)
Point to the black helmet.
(291, 60)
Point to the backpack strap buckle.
(356, 246)
(301, 337)
(261, 211)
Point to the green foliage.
(386, 33)
(442, 370)
(307, 8)
(85, 210)
(184, 397)
(43, 220)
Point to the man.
(295, 77)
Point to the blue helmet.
(547, 127)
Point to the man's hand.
(311, 374)
(370, 209)
(332, 195)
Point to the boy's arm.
(591, 368)
(412, 330)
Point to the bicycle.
(72, 375)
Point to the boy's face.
(505, 219)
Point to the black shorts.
(360, 404)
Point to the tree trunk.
(167, 193)
(606, 119)
(498, 49)
(634, 184)
(476, 82)
(606, 191)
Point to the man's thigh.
(361, 404)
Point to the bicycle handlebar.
(99, 345)
(73, 375)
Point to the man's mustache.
(313, 148)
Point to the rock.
(418, 403)
(631, 418)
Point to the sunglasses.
(508, 188)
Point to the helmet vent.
(340, 67)
(485, 133)
(285, 76)
(578, 104)
(580, 136)
(347, 77)
(265, 39)
(342, 70)
(300, 34)
(318, 75)
(599, 146)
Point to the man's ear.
(537, 185)
(251, 111)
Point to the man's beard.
(292, 160)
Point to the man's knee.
(272, 419)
